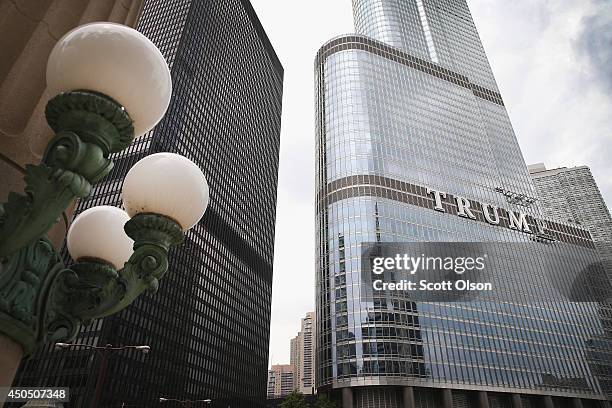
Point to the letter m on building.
(519, 222)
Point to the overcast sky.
(553, 63)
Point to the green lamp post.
(111, 85)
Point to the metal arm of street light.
(206, 401)
(144, 349)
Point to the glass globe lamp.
(118, 62)
(167, 184)
(97, 233)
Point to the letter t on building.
(438, 195)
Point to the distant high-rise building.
(572, 195)
(208, 325)
(295, 356)
(281, 380)
(307, 372)
(408, 108)
(303, 355)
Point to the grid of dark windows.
(208, 325)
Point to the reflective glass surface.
(393, 113)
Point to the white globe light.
(167, 184)
(98, 233)
(117, 61)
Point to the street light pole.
(101, 375)
(104, 355)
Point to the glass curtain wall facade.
(208, 325)
(410, 103)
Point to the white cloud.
(547, 57)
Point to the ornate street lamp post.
(111, 85)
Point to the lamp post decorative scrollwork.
(111, 85)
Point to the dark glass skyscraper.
(208, 325)
(405, 108)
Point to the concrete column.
(347, 397)
(483, 399)
(577, 403)
(96, 10)
(516, 401)
(548, 402)
(10, 357)
(447, 398)
(408, 397)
